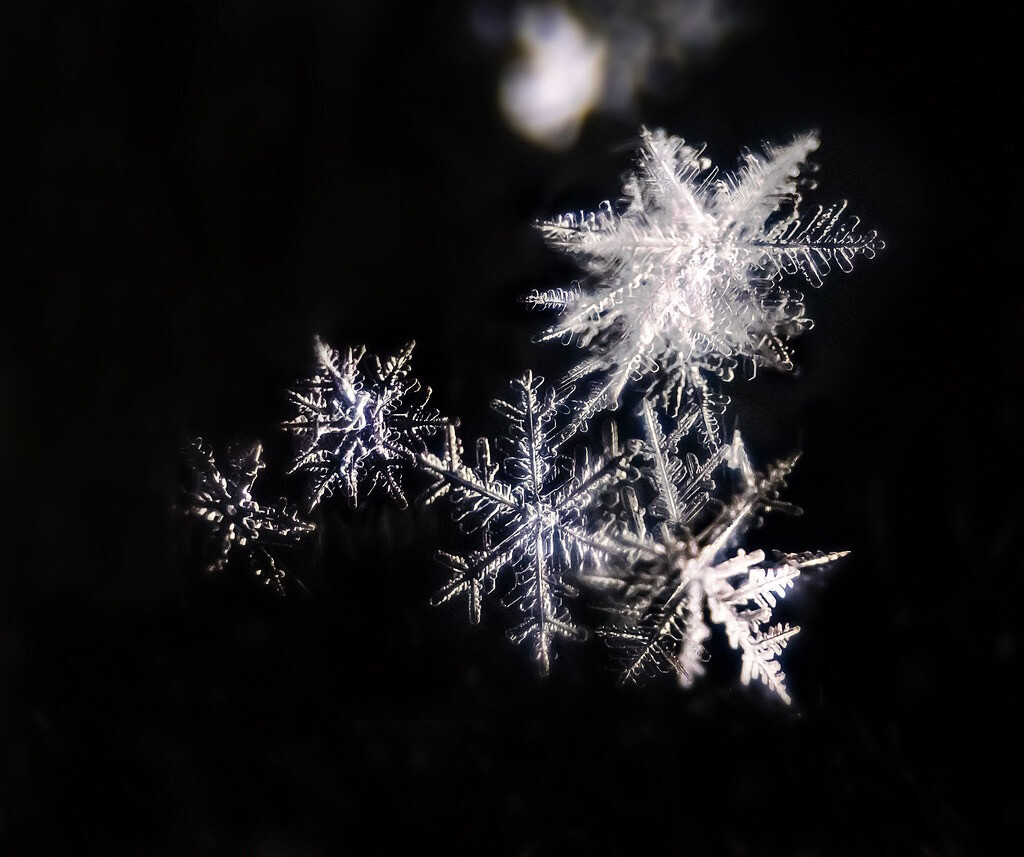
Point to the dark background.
(190, 191)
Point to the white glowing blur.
(546, 94)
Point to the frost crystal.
(531, 515)
(689, 275)
(236, 523)
(358, 425)
(670, 582)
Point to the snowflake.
(531, 515)
(689, 275)
(236, 523)
(357, 425)
(672, 580)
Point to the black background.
(190, 191)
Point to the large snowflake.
(671, 581)
(531, 515)
(357, 425)
(236, 524)
(688, 278)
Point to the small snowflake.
(670, 580)
(531, 515)
(236, 524)
(689, 275)
(358, 425)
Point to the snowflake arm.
(358, 423)
(682, 486)
(763, 185)
(236, 524)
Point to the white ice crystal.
(530, 514)
(236, 524)
(671, 582)
(689, 277)
(358, 425)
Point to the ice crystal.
(236, 524)
(530, 514)
(358, 423)
(689, 278)
(672, 580)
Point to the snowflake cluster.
(685, 283)
(359, 423)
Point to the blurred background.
(190, 191)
